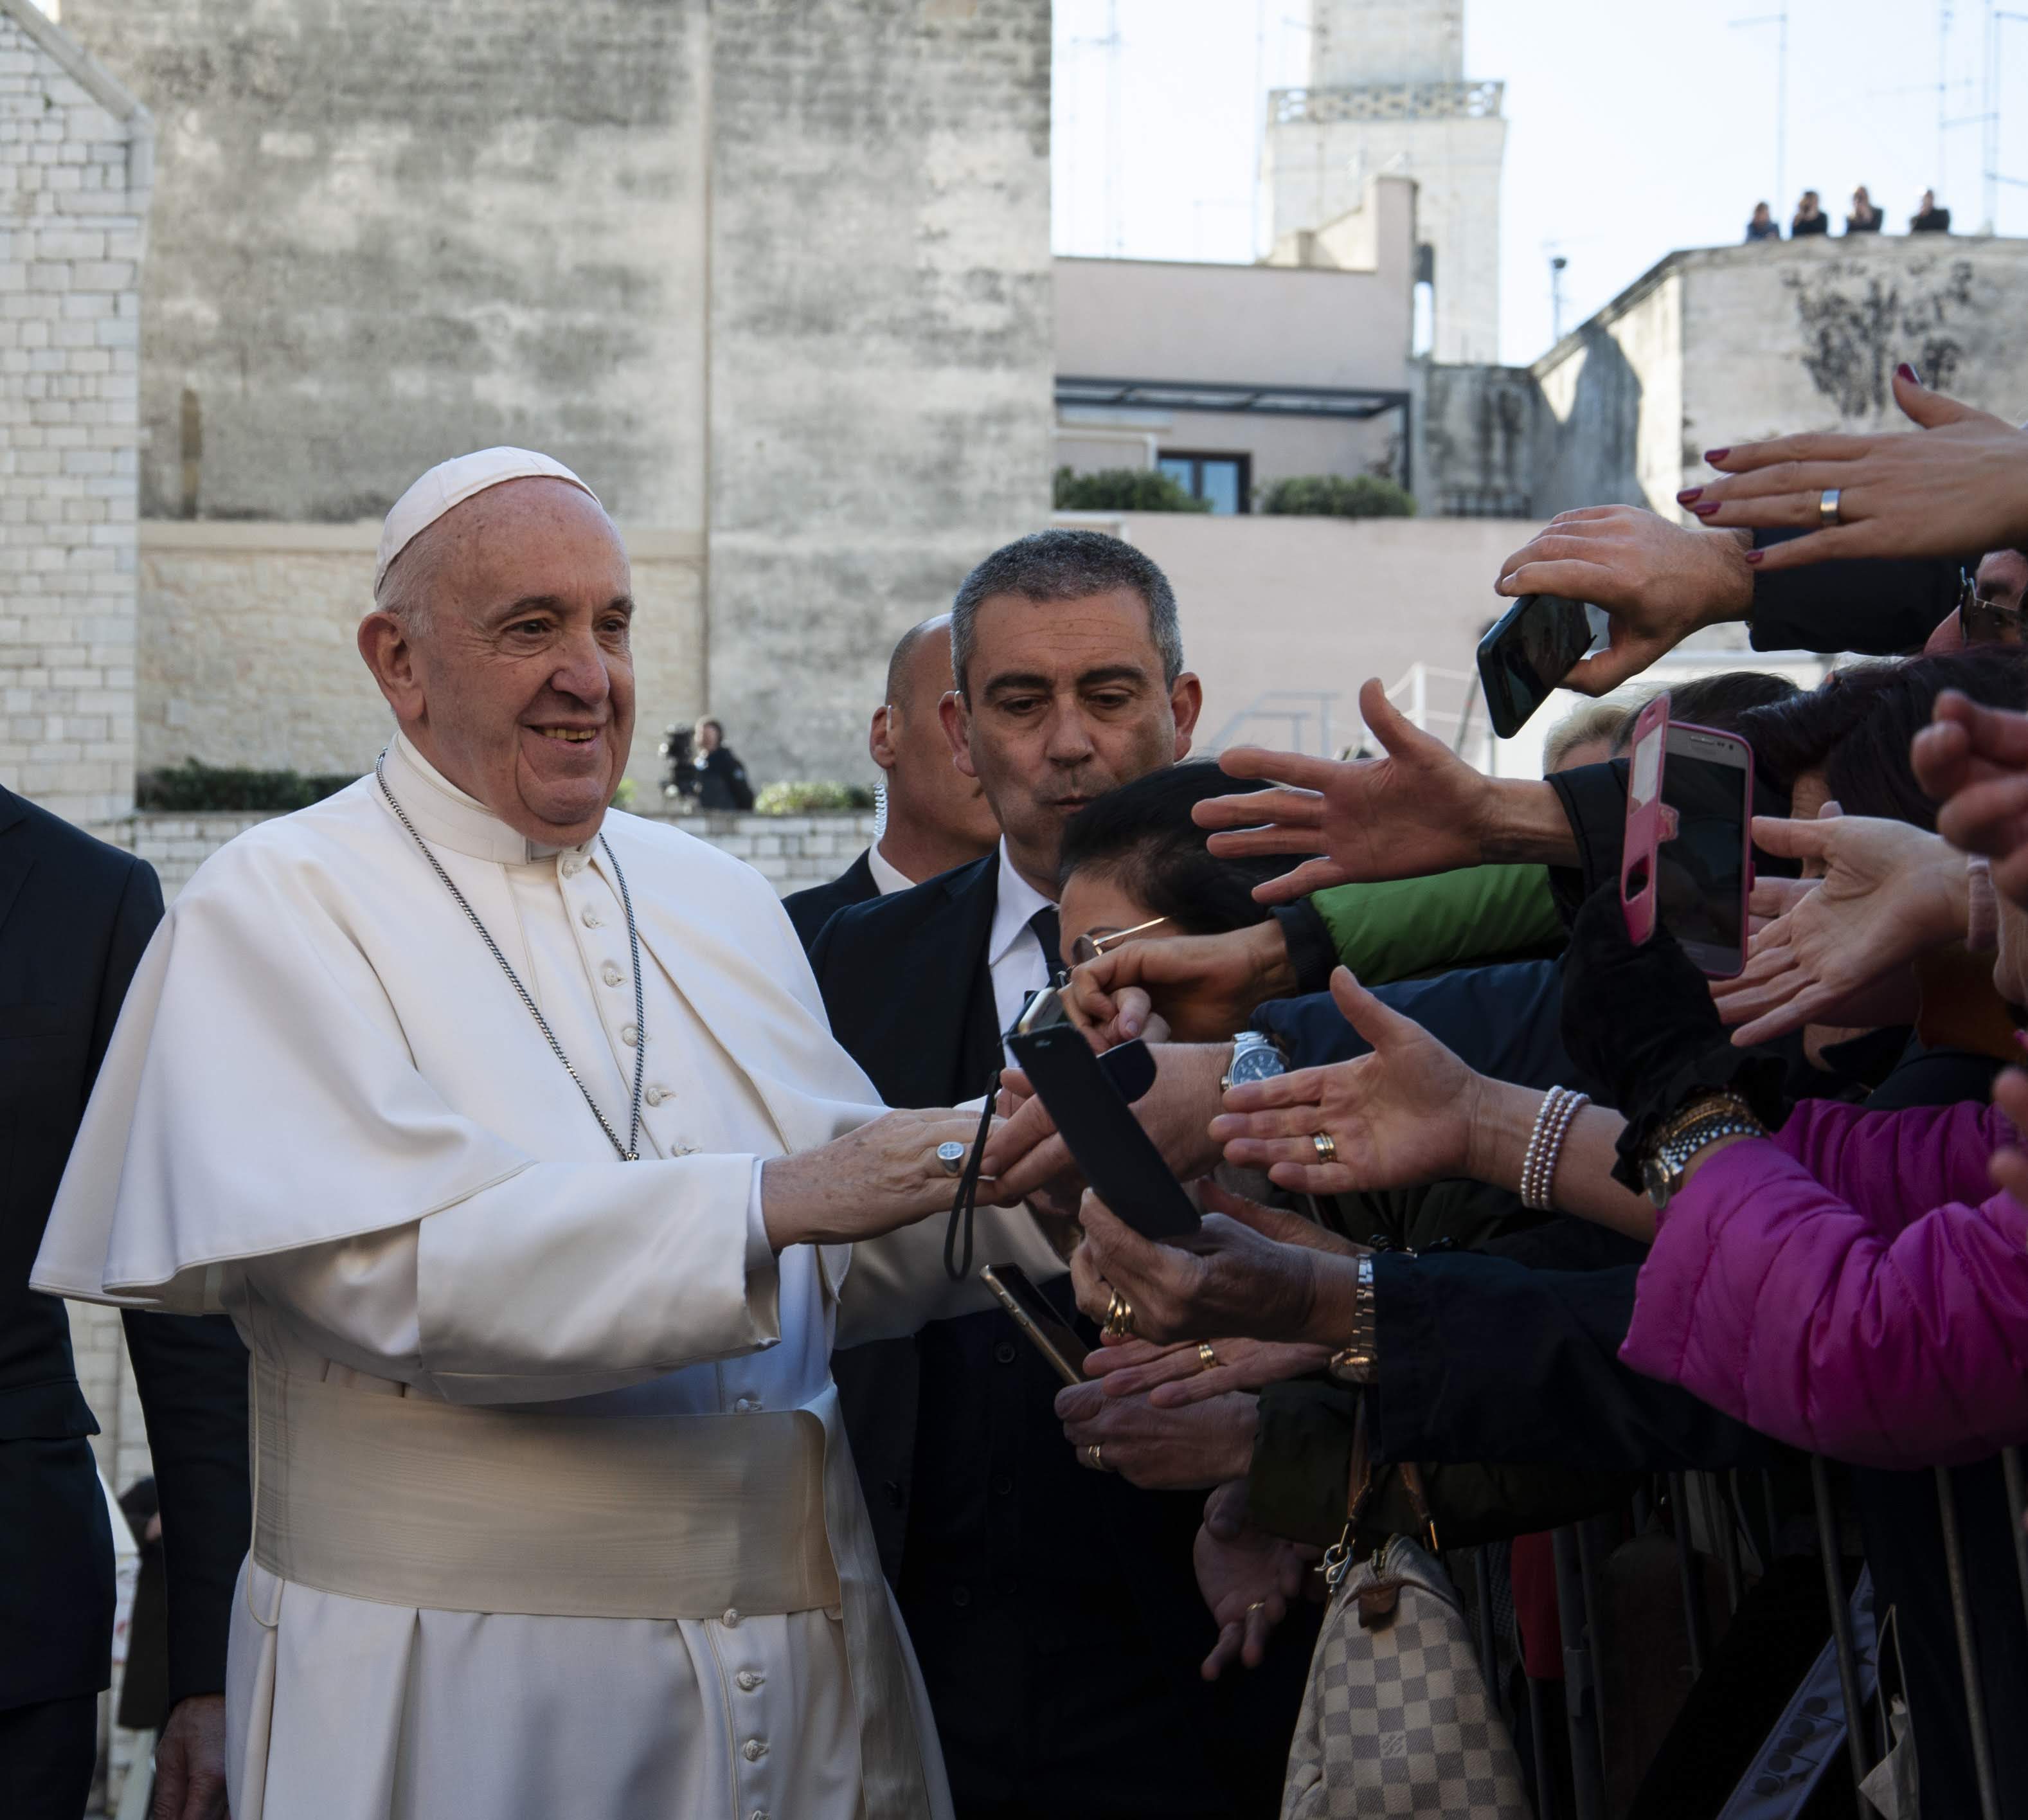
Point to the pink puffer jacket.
(1852, 1285)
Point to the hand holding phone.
(1686, 861)
(1530, 649)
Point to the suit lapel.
(16, 860)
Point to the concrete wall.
(1480, 441)
(1367, 41)
(386, 233)
(774, 278)
(1287, 616)
(880, 381)
(247, 654)
(1732, 343)
(1613, 393)
(75, 171)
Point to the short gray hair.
(411, 578)
(1067, 564)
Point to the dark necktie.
(1049, 932)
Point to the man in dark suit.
(937, 817)
(1053, 1608)
(74, 916)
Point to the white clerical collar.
(889, 878)
(445, 815)
(1017, 902)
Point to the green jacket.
(1410, 926)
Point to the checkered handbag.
(1395, 1719)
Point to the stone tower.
(1388, 93)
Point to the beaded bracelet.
(1546, 1144)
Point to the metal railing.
(1827, 1716)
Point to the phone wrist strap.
(957, 1266)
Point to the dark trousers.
(47, 1753)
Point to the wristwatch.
(1675, 1148)
(1256, 1056)
(1358, 1361)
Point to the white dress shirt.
(1013, 953)
(889, 878)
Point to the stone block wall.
(75, 168)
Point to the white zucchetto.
(451, 484)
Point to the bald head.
(501, 635)
(937, 817)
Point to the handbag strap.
(1359, 1494)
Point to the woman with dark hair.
(1135, 856)
(1847, 741)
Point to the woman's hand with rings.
(1398, 1117)
(1172, 1376)
(1227, 1277)
(1958, 487)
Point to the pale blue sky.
(1634, 127)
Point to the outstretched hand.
(1959, 486)
(1420, 809)
(1840, 954)
(1658, 581)
(1249, 1578)
(1973, 760)
(1175, 1376)
(1398, 1116)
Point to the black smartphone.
(1531, 648)
(1052, 1335)
(1703, 869)
(1117, 1157)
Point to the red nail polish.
(1909, 373)
(1716, 455)
(1706, 509)
(1753, 557)
(1688, 496)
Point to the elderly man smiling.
(510, 1131)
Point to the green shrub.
(1334, 496)
(192, 788)
(1123, 489)
(812, 797)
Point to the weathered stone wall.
(1480, 440)
(75, 153)
(881, 342)
(386, 233)
(247, 651)
(1734, 344)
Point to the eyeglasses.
(1093, 943)
(1982, 619)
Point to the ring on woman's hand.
(1258, 1605)
(1325, 1147)
(952, 1156)
(1206, 1358)
(1093, 1453)
(1120, 1317)
(1827, 509)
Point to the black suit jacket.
(809, 910)
(75, 915)
(1054, 1610)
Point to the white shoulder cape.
(260, 1093)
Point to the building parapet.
(1386, 101)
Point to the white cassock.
(325, 1110)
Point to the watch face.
(1255, 1062)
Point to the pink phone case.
(1648, 754)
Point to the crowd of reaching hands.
(1840, 1267)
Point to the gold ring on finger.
(1120, 1317)
(1258, 1605)
(1093, 1453)
(1206, 1358)
(1325, 1145)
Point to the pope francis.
(510, 1132)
